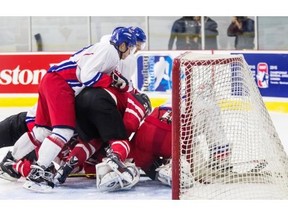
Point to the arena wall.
(20, 74)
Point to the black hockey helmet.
(145, 101)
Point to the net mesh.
(228, 145)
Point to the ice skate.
(39, 179)
(7, 171)
(64, 171)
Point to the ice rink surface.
(80, 193)
(79, 188)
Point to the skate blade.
(37, 187)
(4, 175)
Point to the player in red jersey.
(104, 125)
(152, 140)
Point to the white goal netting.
(225, 145)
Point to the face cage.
(132, 49)
(140, 45)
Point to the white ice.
(80, 188)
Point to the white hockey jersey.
(90, 62)
(128, 68)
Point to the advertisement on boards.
(21, 73)
(270, 71)
(154, 72)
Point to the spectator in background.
(211, 33)
(180, 32)
(187, 32)
(243, 29)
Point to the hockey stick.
(216, 175)
(93, 175)
(39, 42)
(260, 164)
(88, 175)
(249, 162)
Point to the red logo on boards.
(21, 73)
(262, 75)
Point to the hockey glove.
(119, 81)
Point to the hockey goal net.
(225, 145)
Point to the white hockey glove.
(113, 176)
(119, 81)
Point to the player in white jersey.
(13, 127)
(128, 66)
(55, 115)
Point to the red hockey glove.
(119, 81)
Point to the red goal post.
(224, 144)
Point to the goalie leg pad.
(109, 178)
(164, 173)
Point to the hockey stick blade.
(37, 187)
(260, 166)
(93, 175)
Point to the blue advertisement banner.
(270, 71)
(154, 72)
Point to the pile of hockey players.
(89, 118)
